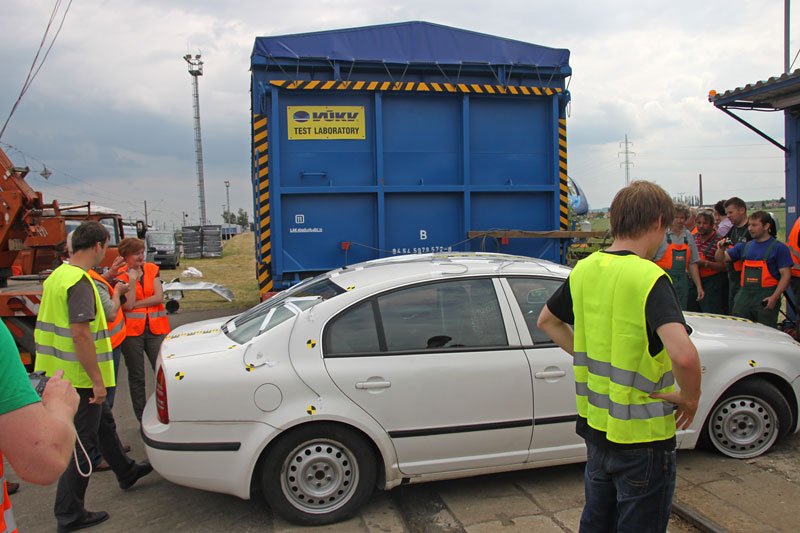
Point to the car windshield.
(160, 238)
(280, 308)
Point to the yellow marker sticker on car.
(179, 375)
(193, 333)
(351, 287)
(752, 363)
(311, 410)
(311, 343)
(249, 367)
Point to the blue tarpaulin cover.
(409, 43)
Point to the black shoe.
(139, 471)
(89, 519)
(11, 487)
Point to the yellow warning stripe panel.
(477, 88)
(563, 176)
(263, 270)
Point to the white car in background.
(412, 369)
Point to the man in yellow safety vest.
(619, 317)
(72, 336)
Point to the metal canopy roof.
(777, 93)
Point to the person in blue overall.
(766, 271)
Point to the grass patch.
(236, 270)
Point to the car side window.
(451, 314)
(531, 295)
(353, 332)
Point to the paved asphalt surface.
(754, 495)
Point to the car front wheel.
(748, 420)
(318, 474)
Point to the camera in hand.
(726, 242)
(38, 381)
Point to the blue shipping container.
(403, 138)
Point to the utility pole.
(145, 213)
(195, 70)
(786, 52)
(228, 195)
(628, 163)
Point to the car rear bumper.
(213, 456)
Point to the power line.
(31, 72)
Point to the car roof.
(420, 267)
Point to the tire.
(318, 474)
(747, 420)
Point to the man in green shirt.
(36, 437)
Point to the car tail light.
(161, 397)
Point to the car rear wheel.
(748, 420)
(318, 474)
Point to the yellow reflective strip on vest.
(625, 378)
(52, 328)
(620, 411)
(42, 349)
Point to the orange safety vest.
(7, 522)
(791, 241)
(755, 273)
(154, 315)
(116, 327)
(675, 253)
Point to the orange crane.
(32, 236)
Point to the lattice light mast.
(195, 70)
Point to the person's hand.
(113, 270)
(60, 392)
(700, 293)
(686, 407)
(133, 275)
(121, 289)
(98, 394)
(770, 302)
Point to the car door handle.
(550, 374)
(373, 385)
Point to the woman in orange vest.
(678, 256)
(146, 321)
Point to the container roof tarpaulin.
(410, 43)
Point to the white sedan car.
(412, 369)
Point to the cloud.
(112, 106)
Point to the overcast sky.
(110, 113)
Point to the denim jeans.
(628, 489)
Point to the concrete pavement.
(753, 495)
